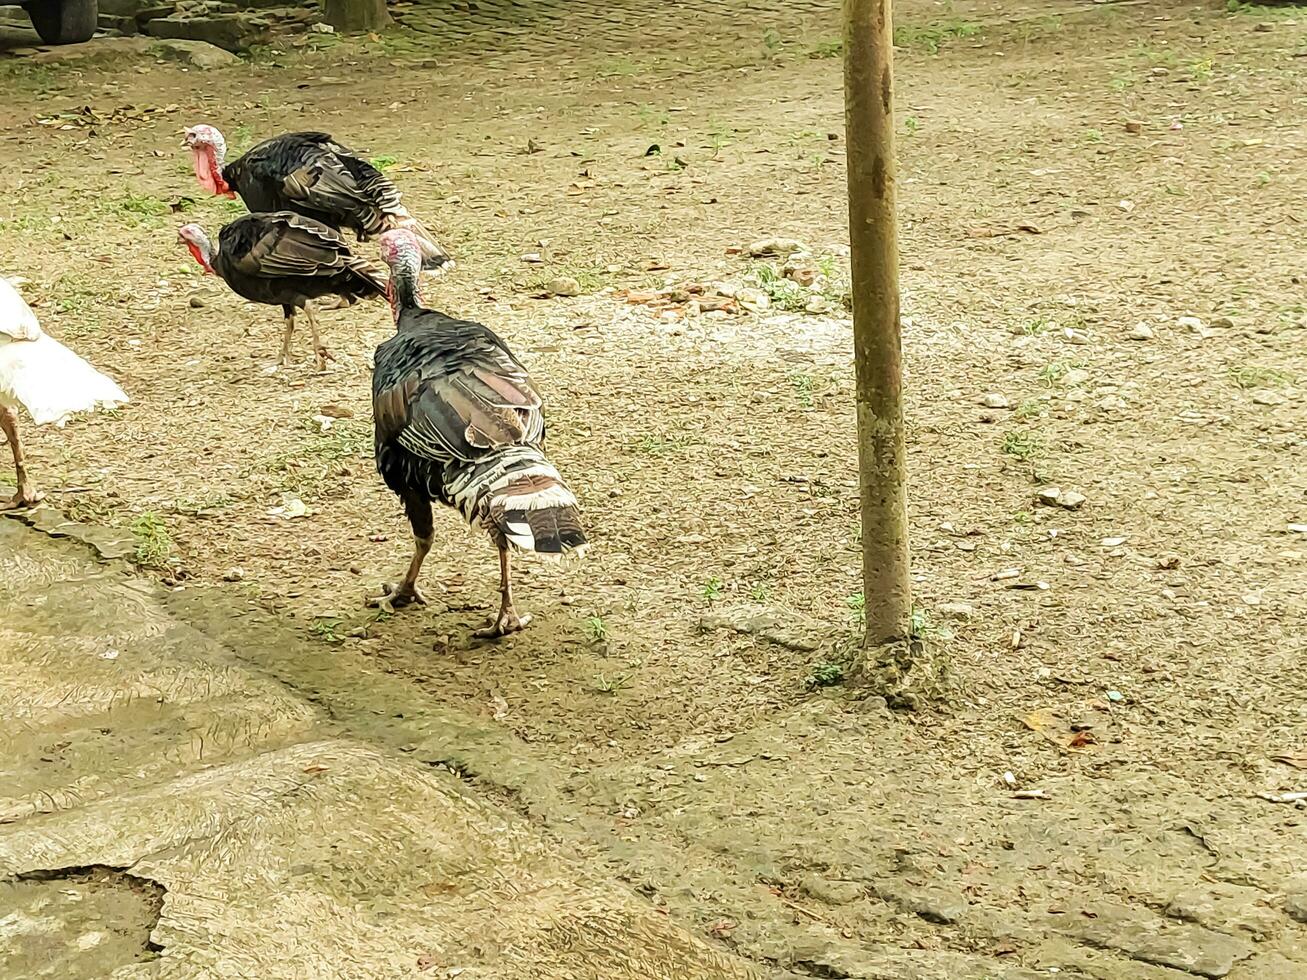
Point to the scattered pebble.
(564, 286)
(1113, 542)
(994, 400)
(1134, 126)
(776, 248)
(1223, 323)
(1264, 396)
(1076, 376)
(233, 575)
(1057, 497)
(1298, 528)
(1194, 324)
(1074, 336)
(1140, 331)
(956, 610)
(1115, 696)
(109, 654)
(533, 257)
(197, 303)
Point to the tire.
(64, 21)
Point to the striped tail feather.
(519, 496)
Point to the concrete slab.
(165, 812)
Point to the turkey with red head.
(313, 175)
(285, 259)
(459, 421)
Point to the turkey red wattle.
(208, 171)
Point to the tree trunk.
(354, 16)
(873, 237)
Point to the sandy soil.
(1066, 177)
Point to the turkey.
(313, 175)
(459, 421)
(44, 377)
(285, 259)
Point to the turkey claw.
(395, 595)
(22, 499)
(507, 622)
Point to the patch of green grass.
(596, 630)
(1028, 409)
(1054, 371)
(1093, 136)
(1260, 10)
(1023, 444)
(328, 629)
(652, 117)
(1201, 69)
(803, 388)
(785, 294)
(857, 604)
(827, 48)
(1037, 325)
(305, 468)
(771, 42)
(1248, 376)
(712, 589)
(384, 162)
(611, 685)
(759, 592)
(932, 37)
(824, 673)
(135, 208)
(665, 444)
(911, 124)
(619, 67)
(153, 542)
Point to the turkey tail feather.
(519, 496)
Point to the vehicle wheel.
(64, 21)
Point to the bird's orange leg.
(27, 495)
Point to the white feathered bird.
(44, 377)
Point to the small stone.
(197, 303)
(564, 286)
(1113, 403)
(832, 892)
(1076, 376)
(1295, 907)
(802, 274)
(1071, 500)
(1194, 324)
(321, 28)
(1140, 331)
(532, 257)
(753, 299)
(233, 575)
(1049, 495)
(1134, 127)
(817, 304)
(776, 248)
(994, 400)
(1115, 696)
(1264, 396)
(1112, 542)
(1223, 323)
(1074, 336)
(956, 610)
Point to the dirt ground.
(1069, 172)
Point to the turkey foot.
(320, 351)
(25, 497)
(508, 621)
(397, 595)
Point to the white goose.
(43, 376)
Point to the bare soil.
(1068, 172)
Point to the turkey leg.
(288, 312)
(27, 495)
(320, 353)
(508, 621)
(399, 594)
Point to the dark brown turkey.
(313, 175)
(459, 421)
(285, 259)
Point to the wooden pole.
(877, 351)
